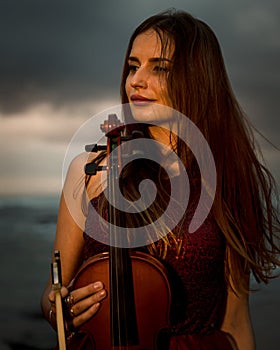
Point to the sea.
(27, 231)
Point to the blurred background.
(60, 64)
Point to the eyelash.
(161, 69)
(132, 68)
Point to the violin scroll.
(112, 127)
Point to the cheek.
(162, 87)
(127, 86)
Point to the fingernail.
(102, 293)
(97, 285)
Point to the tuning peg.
(94, 147)
(93, 168)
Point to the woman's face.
(146, 83)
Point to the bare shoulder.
(75, 178)
(76, 167)
(77, 164)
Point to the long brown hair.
(200, 89)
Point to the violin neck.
(123, 324)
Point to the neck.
(163, 135)
(168, 139)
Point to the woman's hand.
(80, 305)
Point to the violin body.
(152, 295)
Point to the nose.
(139, 79)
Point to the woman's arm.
(237, 321)
(69, 241)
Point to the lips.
(139, 99)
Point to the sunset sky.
(61, 62)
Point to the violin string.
(117, 269)
(118, 303)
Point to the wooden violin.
(139, 295)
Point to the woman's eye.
(132, 68)
(160, 69)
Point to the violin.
(137, 308)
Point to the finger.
(86, 303)
(64, 292)
(51, 297)
(86, 291)
(85, 316)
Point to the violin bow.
(56, 286)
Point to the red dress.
(200, 269)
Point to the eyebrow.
(152, 59)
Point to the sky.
(61, 63)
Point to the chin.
(151, 113)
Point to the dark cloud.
(61, 62)
(65, 52)
(52, 50)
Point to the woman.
(175, 60)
